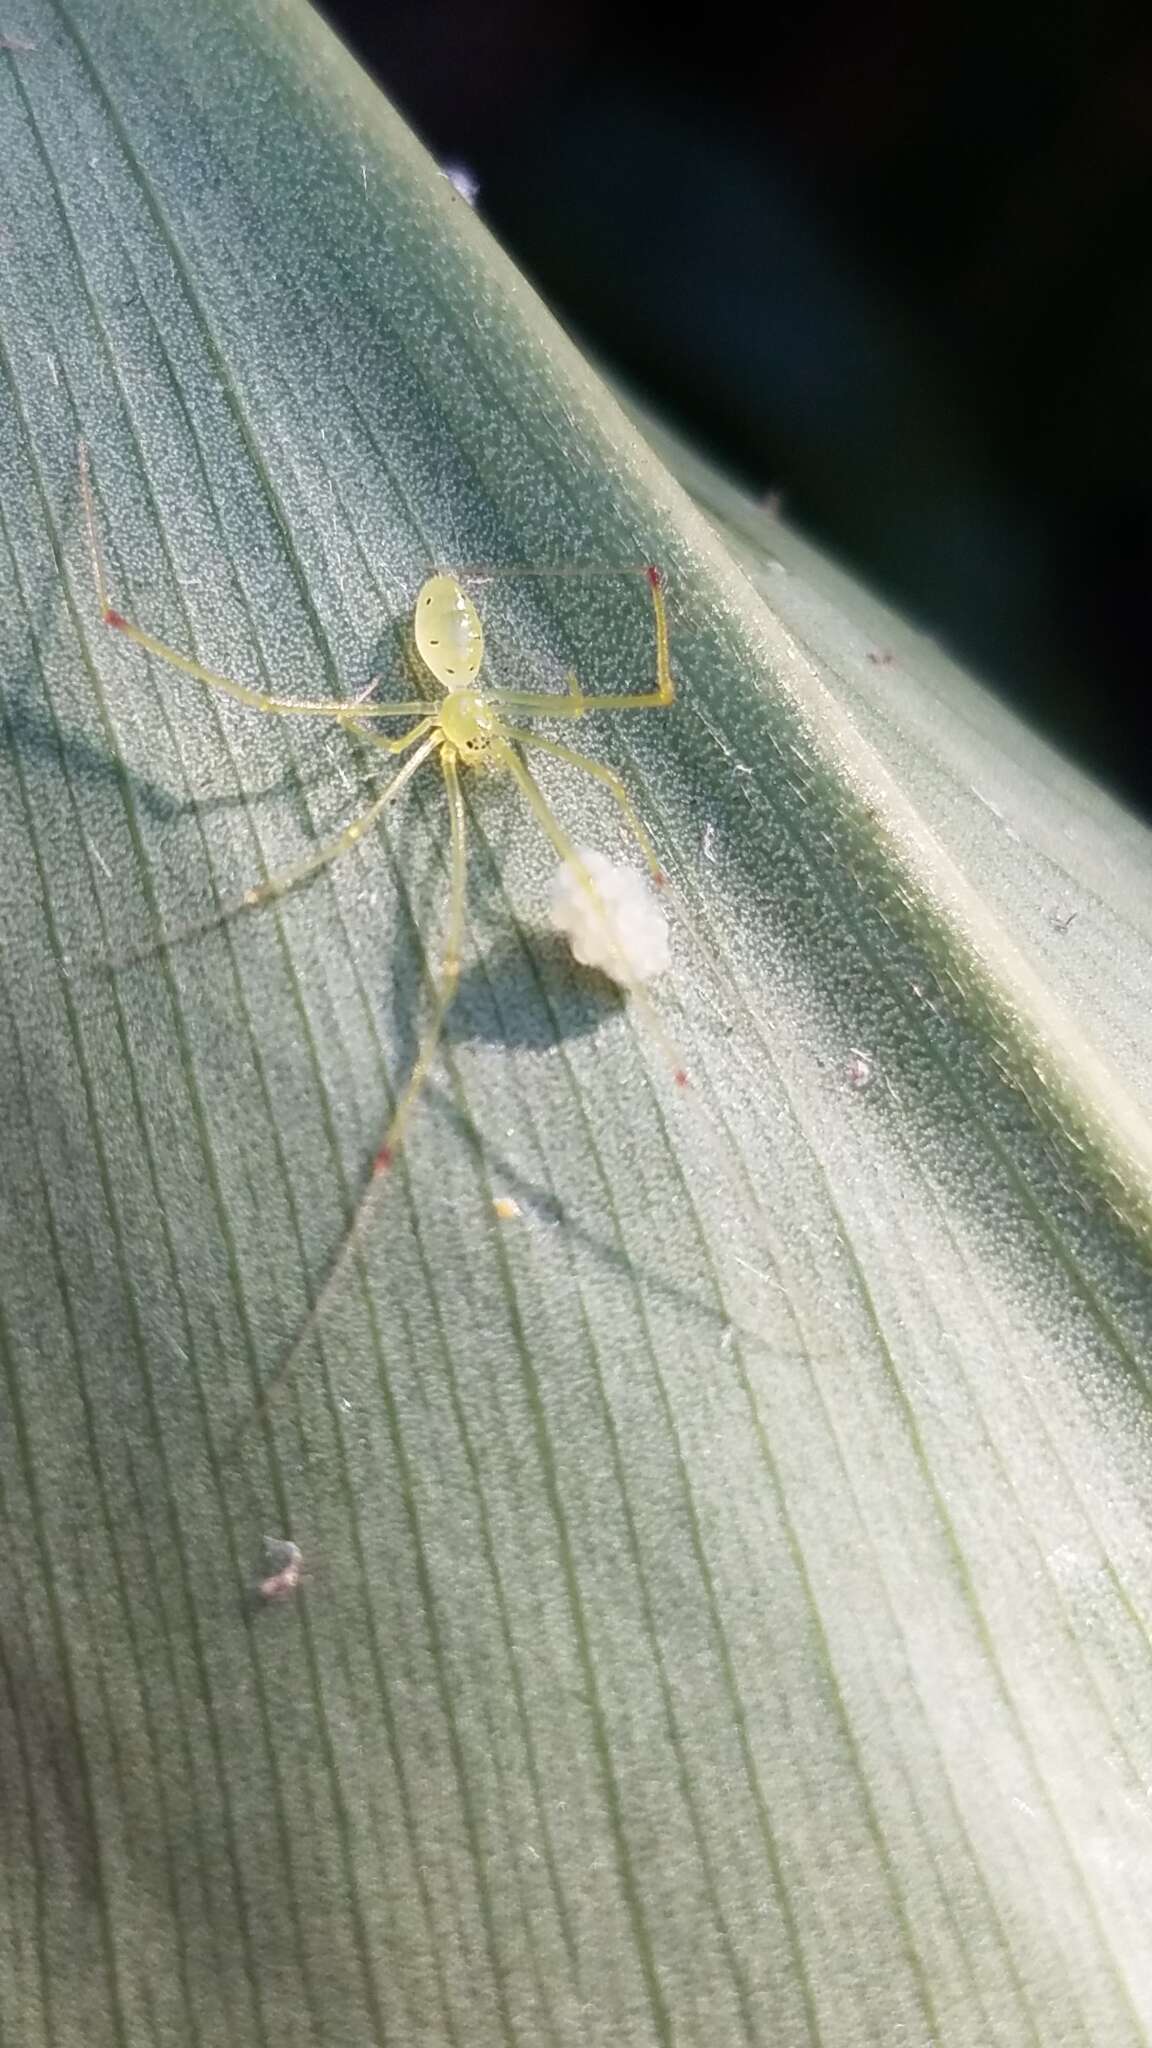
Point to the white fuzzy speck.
(610, 918)
(466, 182)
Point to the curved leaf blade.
(728, 1603)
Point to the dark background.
(891, 262)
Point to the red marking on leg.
(681, 1077)
(116, 619)
(654, 575)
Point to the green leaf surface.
(727, 1579)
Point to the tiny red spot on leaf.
(383, 1159)
(681, 1077)
(654, 576)
(112, 618)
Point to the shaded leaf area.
(726, 1579)
(1041, 847)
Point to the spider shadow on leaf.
(527, 993)
(519, 987)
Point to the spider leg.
(256, 700)
(289, 878)
(574, 703)
(602, 774)
(449, 975)
(445, 990)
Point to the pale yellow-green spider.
(467, 727)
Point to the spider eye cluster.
(467, 723)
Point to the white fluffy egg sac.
(610, 918)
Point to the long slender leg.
(445, 990)
(376, 739)
(491, 572)
(289, 878)
(574, 704)
(602, 774)
(554, 831)
(257, 700)
(449, 975)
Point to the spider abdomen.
(448, 633)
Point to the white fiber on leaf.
(610, 918)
